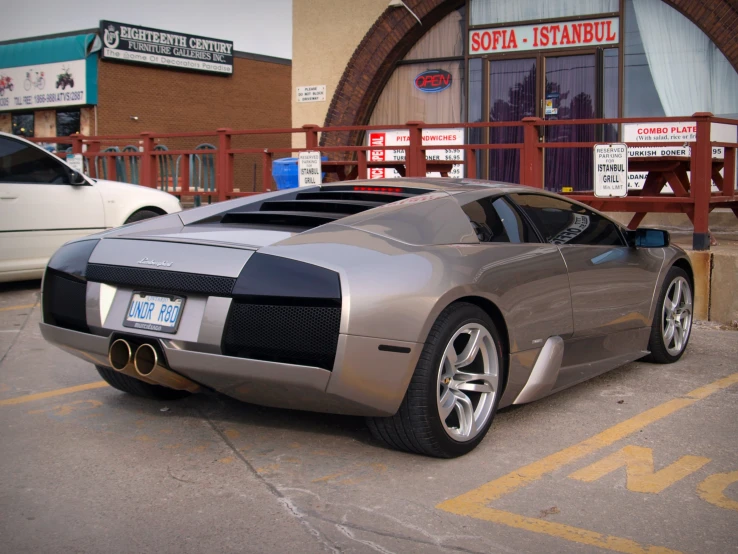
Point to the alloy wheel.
(468, 382)
(676, 317)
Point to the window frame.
(65, 170)
(542, 234)
(524, 219)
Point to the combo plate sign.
(133, 43)
(611, 170)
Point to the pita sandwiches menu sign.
(136, 44)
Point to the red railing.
(233, 153)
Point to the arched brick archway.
(396, 31)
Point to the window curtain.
(401, 102)
(485, 12)
(689, 72)
(444, 40)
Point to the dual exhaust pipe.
(144, 364)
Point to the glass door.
(512, 96)
(570, 92)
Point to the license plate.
(154, 312)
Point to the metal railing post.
(223, 181)
(311, 136)
(77, 141)
(701, 177)
(531, 156)
(414, 162)
(148, 161)
(266, 170)
(93, 148)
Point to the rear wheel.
(455, 390)
(672, 322)
(135, 387)
(140, 215)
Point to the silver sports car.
(424, 305)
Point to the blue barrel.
(284, 172)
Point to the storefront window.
(486, 12)
(22, 124)
(476, 91)
(402, 100)
(671, 67)
(67, 123)
(610, 89)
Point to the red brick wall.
(256, 95)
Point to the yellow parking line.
(475, 503)
(52, 393)
(22, 307)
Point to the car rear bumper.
(364, 381)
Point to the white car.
(45, 203)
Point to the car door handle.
(8, 198)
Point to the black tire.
(135, 387)
(417, 426)
(656, 342)
(140, 215)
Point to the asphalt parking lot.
(642, 459)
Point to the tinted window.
(22, 124)
(22, 163)
(67, 123)
(564, 223)
(496, 220)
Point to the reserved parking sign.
(611, 170)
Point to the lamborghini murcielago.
(423, 304)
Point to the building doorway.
(555, 86)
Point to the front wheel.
(455, 390)
(141, 215)
(672, 322)
(27, 84)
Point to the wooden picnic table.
(672, 170)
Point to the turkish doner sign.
(132, 43)
(611, 170)
(309, 168)
(45, 85)
(567, 34)
(402, 138)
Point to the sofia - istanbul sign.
(565, 34)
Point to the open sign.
(433, 80)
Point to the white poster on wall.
(45, 85)
(312, 93)
(402, 138)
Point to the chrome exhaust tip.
(147, 365)
(120, 355)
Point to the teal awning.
(50, 50)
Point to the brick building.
(74, 82)
(502, 60)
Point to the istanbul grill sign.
(132, 43)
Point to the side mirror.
(76, 179)
(647, 238)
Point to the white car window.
(21, 163)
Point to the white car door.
(39, 209)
